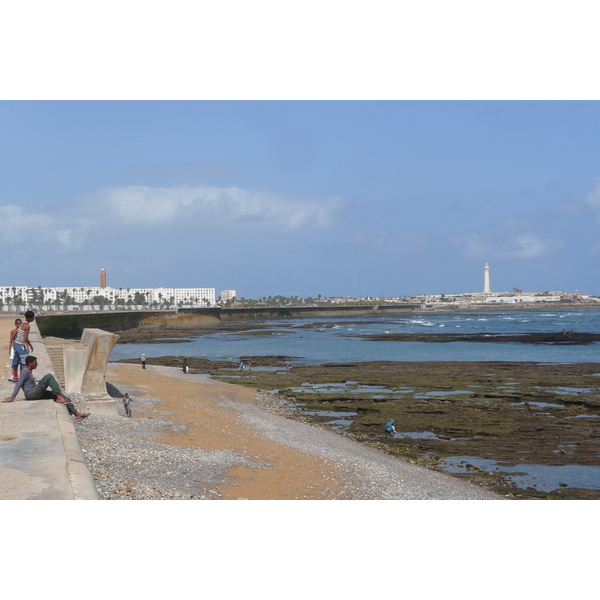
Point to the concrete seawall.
(71, 325)
(40, 455)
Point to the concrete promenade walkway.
(40, 455)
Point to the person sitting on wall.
(38, 391)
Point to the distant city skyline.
(230, 294)
(391, 198)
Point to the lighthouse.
(486, 279)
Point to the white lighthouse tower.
(486, 279)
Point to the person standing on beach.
(38, 391)
(12, 355)
(127, 405)
(20, 342)
(185, 365)
(143, 361)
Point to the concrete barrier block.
(85, 369)
(75, 365)
(100, 344)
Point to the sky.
(357, 198)
(381, 162)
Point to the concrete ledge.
(40, 456)
(39, 349)
(79, 475)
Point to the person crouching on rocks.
(127, 405)
(389, 428)
(38, 391)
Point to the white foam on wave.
(422, 322)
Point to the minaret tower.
(486, 279)
(102, 278)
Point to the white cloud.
(527, 245)
(137, 211)
(593, 198)
(21, 226)
(474, 246)
(210, 207)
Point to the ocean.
(315, 341)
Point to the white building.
(39, 296)
(9, 293)
(523, 298)
(227, 295)
(195, 296)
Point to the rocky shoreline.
(559, 338)
(508, 412)
(191, 438)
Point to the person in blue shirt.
(389, 428)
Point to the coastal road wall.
(71, 325)
(40, 455)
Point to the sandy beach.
(204, 439)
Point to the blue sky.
(279, 149)
(301, 197)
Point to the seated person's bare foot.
(79, 416)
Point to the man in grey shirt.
(37, 391)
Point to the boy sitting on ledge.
(38, 391)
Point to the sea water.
(336, 340)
